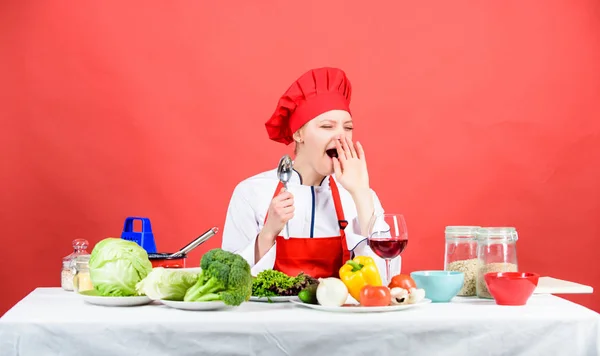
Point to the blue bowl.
(439, 286)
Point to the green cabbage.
(167, 283)
(117, 265)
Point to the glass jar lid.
(462, 231)
(79, 247)
(80, 244)
(497, 234)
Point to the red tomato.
(375, 296)
(402, 281)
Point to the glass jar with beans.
(461, 255)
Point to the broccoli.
(225, 276)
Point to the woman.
(328, 216)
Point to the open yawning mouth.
(332, 152)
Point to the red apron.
(319, 257)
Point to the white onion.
(331, 292)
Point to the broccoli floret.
(225, 276)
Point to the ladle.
(197, 242)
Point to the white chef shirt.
(314, 217)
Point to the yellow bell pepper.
(359, 272)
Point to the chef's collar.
(297, 178)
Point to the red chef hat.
(315, 92)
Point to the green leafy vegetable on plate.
(225, 276)
(117, 265)
(167, 283)
(272, 283)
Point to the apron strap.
(339, 210)
(279, 186)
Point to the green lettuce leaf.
(167, 283)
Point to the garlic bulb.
(331, 292)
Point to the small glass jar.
(461, 255)
(68, 263)
(496, 252)
(82, 281)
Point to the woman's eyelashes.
(347, 128)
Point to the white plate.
(196, 306)
(278, 299)
(92, 297)
(360, 309)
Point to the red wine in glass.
(387, 237)
(388, 248)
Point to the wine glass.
(387, 237)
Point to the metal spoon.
(284, 172)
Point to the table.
(50, 321)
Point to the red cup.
(511, 288)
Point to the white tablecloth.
(54, 322)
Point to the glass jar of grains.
(461, 255)
(68, 263)
(82, 281)
(496, 252)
